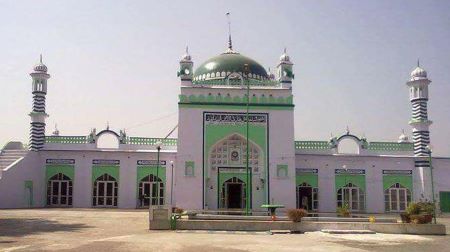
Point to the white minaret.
(186, 69)
(38, 115)
(418, 95)
(284, 69)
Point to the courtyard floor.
(121, 230)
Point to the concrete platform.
(284, 218)
(336, 231)
(244, 225)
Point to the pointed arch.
(231, 151)
(59, 190)
(105, 191)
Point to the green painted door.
(445, 201)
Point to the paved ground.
(118, 230)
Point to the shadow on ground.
(23, 227)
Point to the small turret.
(403, 138)
(56, 131)
(186, 69)
(285, 74)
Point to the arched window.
(307, 197)
(148, 191)
(59, 191)
(105, 191)
(233, 194)
(351, 195)
(396, 198)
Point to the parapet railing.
(312, 145)
(151, 141)
(390, 146)
(66, 139)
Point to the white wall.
(12, 183)
(373, 166)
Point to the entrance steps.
(335, 231)
(280, 231)
(7, 157)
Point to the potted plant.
(344, 210)
(418, 213)
(296, 215)
(405, 217)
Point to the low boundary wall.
(309, 226)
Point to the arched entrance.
(233, 194)
(105, 191)
(148, 188)
(228, 178)
(353, 196)
(307, 197)
(396, 198)
(59, 191)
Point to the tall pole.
(432, 184)
(171, 183)
(157, 175)
(248, 185)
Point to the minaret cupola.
(418, 73)
(284, 69)
(186, 69)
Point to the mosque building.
(235, 149)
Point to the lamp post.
(432, 182)
(171, 183)
(345, 186)
(248, 183)
(158, 148)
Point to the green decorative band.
(152, 141)
(312, 145)
(66, 139)
(235, 106)
(236, 82)
(390, 146)
(372, 146)
(237, 100)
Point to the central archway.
(227, 184)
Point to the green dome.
(221, 66)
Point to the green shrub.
(418, 212)
(296, 215)
(426, 207)
(421, 207)
(413, 208)
(344, 211)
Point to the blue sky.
(116, 61)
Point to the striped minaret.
(418, 93)
(38, 115)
